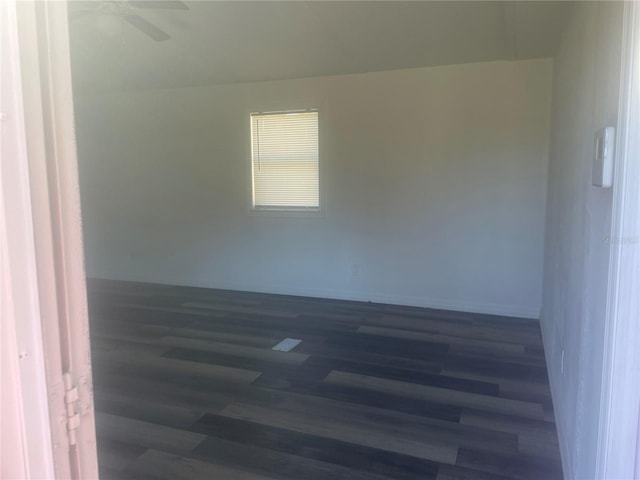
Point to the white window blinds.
(284, 160)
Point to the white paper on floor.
(287, 344)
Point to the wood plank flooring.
(188, 387)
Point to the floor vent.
(287, 344)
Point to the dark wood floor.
(188, 387)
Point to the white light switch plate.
(602, 174)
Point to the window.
(284, 160)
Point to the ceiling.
(218, 42)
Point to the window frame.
(285, 211)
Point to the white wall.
(585, 96)
(434, 188)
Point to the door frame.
(620, 399)
(25, 422)
(43, 260)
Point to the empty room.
(332, 239)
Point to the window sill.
(289, 212)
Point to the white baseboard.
(393, 299)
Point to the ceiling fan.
(127, 10)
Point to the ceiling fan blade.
(168, 4)
(147, 28)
